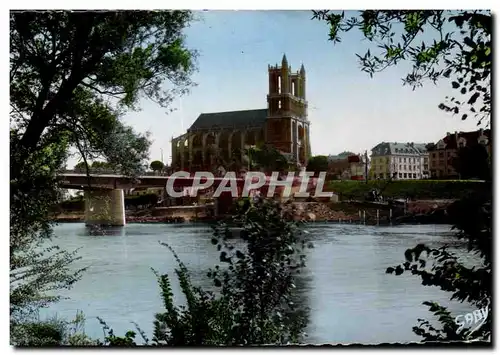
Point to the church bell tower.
(287, 126)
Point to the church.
(221, 138)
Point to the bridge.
(104, 191)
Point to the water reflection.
(103, 230)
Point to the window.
(404, 167)
(441, 154)
(409, 167)
(400, 160)
(433, 155)
(400, 175)
(279, 104)
(404, 160)
(414, 175)
(405, 175)
(279, 84)
(400, 167)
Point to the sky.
(348, 110)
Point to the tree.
(345, 154)
(76, 72)
(72, 76)
(267, 158)
(472, 161)
(460, 52)
(317, 163)
(80, 166)
(255, 284)
(157, 165)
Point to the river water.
(349, 297)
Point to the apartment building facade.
(442, 153)
(402, 161)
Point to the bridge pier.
(105, 207)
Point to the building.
(442, 153)
(221, 138)
(346, 167)
(400, 161)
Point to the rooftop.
(230, 119)
(450, 140)
(395, 148)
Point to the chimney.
(480, 132)
(448, 134)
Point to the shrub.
(51, 332)
(419, 189)
(252, 304)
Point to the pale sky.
(348, 110)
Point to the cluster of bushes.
(253, 304)
(74, 204)
(146, 200)
(415, 189)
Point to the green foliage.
(51, 332)
(471, 217)
(418, 189)
(36, 269)
(72, 76)
(458, 49)
(75, 73)
(317, 163)
(110, 339)
(73, 205)
(141, 200)
(259, 281)
(473, 161)
(80, 166)
(252, 302)
(157, 165)
(267, 158)
(461, 53)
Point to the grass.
(418, 189)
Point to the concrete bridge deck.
(104, 195)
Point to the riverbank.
(415, 212)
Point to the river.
(349, 297)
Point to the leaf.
(473, 98)
(468, 41)
(464, 117)
(455, 85)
